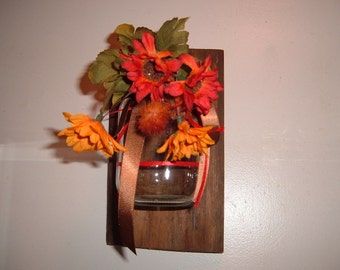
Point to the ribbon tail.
(210, 119)
(203, 169)
(128, 181)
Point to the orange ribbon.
(211, 119)
(128, 182)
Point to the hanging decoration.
(152, 83)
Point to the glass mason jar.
(164, 184)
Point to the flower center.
(197, 87)
(151, 73)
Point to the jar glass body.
(162, 183)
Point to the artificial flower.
(149, 69)
(86, 134)
(155, 72)
(200, 88)
(153, 117)
(187, 141)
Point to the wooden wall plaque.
(189, 230)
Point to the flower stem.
(99, 117)
(179, 116)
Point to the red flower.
(149, 69)
(200, 88)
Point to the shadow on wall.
(98, 92)
(66, 155)
(61, 151)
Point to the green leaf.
(108, 56)
(183, 73)
(140, 30)
(172, 36)
(99, 73)
(117, 86)
(121, 86)
(115, 90)
(125, 33)
(102, 69)
(116, 97)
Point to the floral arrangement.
(166, 82)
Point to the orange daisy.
(86, 134)
(187, 141)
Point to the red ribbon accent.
(165, 163)
(201, 179)
(122, 132)
(169, 164)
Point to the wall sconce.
(173, 226)
(166, 155)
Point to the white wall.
(282, 77)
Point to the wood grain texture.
(189, 230)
